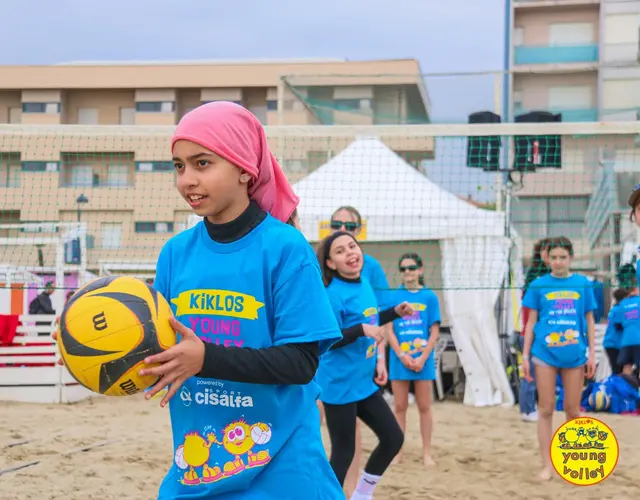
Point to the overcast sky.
(445, 36)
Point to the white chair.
(441, 347)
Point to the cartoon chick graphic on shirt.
(238, 439)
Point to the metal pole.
(506, 184)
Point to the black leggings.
(612, 354)
(341, 423)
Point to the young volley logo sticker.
(584, 451)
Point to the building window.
(154, 166)
(82, 176)
(111, 235)
(118, 176)
(155, 107)
(39, 166)
(518, 100)
(571, 34)
(272, 105)
(50, 108)
(347, 104)
(518, 36)
(154, 227)
(9, 175)
(15, 115)
(260, 112)
(87, 116)
(544, 217)
(127, 116)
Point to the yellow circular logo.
(584, 451)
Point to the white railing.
(28, 369)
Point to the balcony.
(557, 54)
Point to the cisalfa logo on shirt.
(215, 397)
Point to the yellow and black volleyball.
(108, 328)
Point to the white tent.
(401, 204)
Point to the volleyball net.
(97, 200)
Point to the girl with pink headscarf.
(253, 319)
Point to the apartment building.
(102, 131)
(578, 58)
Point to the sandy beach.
(482, 453)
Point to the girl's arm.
(349, 336)
(393, 341)
(434, 333)
(388, 315)
(528, 333)
(290, 364)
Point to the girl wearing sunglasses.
(348, 219)
(412, 340)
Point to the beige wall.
(109, 88)
(9, 100)
(535, 87)
(107, 103)
(535, 22)
(201, 75)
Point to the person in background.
(413, 340)
(68, 296)
(634, 215)
(626, 319)
(613, 335)
(42, 306)
(539, 267)
(351, 373)
(598, 293)
(559, 339)
(349, 219)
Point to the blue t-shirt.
(346, 374)
(613, 333)
(237, 440)
(412, 333)
(627, 318)
(373, 272)
(560, 332)
(598, 294)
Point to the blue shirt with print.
(346, 374)
(627, 318)
(613, 333)
(560, 332)
(237, 440)
(413, 332)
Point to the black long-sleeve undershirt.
(353, 333)
(290, 364)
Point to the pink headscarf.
(235, 134)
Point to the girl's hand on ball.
(176, 364)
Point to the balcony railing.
(556, 54)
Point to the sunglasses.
(408, 268)
(348, 226)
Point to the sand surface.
(482, 453)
